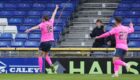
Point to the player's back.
(121, 34)
(47, 31)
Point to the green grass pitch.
(65, 77)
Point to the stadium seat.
(120, 13)
(3, 22)
(6, 36)
(51, 6)
(10, 29)
(68, 6)
(6, 13)
(19, 13)
(134, 36)
(17, 44)
(23, 28)
(4, 43)
(134, 44)
(31, 44)
(24, 6)
(10, 6)
(1, 29)
(21, 36)
(1, 6)
(32, 21)
(137, 28)
(58, 29)
(39, 6)
(34, 36)
(34, 13)
(15, 21)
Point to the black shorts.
(120, 53)
(45, 46)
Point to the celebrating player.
(121, 33)
(47, 37)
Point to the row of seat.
(30, 43)
(33, 21)
(127, 13)
(31, 1)
(36, 6)
(32, 13)
(24, 36)
(19, 44)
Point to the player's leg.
(41, 54)
(116, 67)
(47, 57)
(49, 61)
(40, 61)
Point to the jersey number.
(49, 29)
(123, 36)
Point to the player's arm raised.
(131, 28)
(31, 29)
(54, 13)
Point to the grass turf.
(65, 77)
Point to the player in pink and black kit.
(47, 37)
(121, 33)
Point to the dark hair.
(98, 20)
(118, 19)
(46, 18)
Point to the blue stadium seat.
(1, 6)
(127, 20)
(34, 36)
(21, 36)
(58, 29)
(137, 28)
(60, 21)
(15, 21)
(56, 36)
(68, 6)
(134, 36)
(34, 13)
(19, 13)
(24, 6)
(32, 21)
(64, 13)
(10, 6)
(23, 28)
(51, 6)
(135, 5)
(134, 44)
(124, 5)
(4, 43)
(6, 13)
(17, 44)
(6, 36)
(39, 6)
(31, 44)
(133, 13)
(48, 13)
(120, 13)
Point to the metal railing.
(65, 52)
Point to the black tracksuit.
(96, 32)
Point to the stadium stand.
(26, 14)
(21, 15)
(84, 20)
